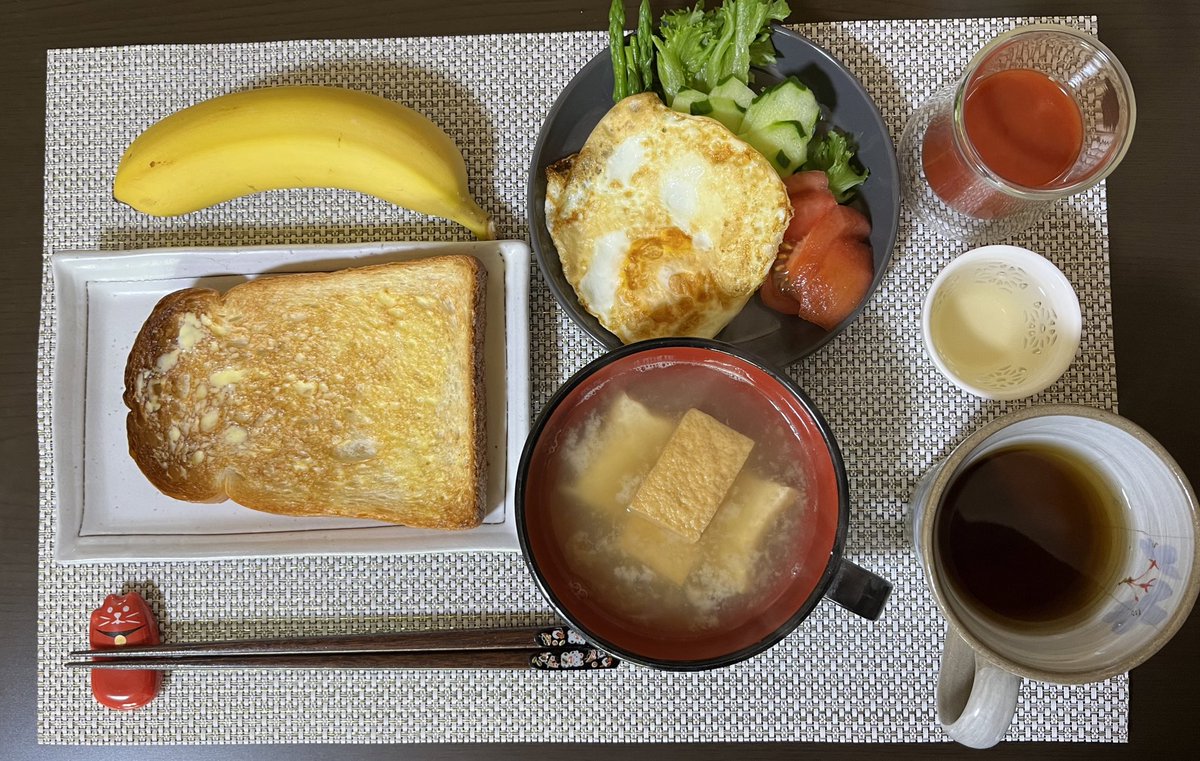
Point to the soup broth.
(646, 579)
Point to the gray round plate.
(771, 335)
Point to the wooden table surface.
(1155, 284)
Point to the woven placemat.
(837, 678)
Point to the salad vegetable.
(633, 63)
(699, 62)
(694, 49)
(833, 153)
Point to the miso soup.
(621, 566)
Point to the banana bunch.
(297, 137)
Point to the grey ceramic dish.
(773, 336)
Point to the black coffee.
(1031, 535)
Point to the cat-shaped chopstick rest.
(124, 621)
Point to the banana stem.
(479, 223)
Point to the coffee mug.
(1060, 544)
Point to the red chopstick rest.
(124, 621)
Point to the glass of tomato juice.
(1041, 113)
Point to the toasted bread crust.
(154, 340)
(356, 393)
(479, 397)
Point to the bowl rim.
(568, 300)
(1044, 270)
(836, 551)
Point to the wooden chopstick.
(521, 638)
(454, 659)
(553, 648)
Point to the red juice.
(1025, 128)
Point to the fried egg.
(665, 223)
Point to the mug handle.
(858, 590)
(976, 700)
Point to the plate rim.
(73, 269)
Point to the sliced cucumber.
(696, 103)
(734, 89)
(788, 101)
(724, 110)
(685, 98)
(785, 144)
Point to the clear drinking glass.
(946, 179)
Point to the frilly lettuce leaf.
(694, 48)
(833, 153)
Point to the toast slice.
(356, 393)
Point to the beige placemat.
(837, 678)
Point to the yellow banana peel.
(297, 137)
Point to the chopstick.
(549, 648)
(497, 659)
(392, 642)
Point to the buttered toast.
(356, 393)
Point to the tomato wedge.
(801, 182)
(811, 200)
(772, 292)
(830, 271)
(825, 267)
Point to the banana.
(297, 137)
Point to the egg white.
(665, 223)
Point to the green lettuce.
(694, 48)
(698, 49)
(833, 153)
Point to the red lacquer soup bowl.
(805, 564)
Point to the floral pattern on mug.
(1148, 589)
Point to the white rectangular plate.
(107, 510)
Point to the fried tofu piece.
(729, 548)
(693, 474)
(739, 529)
(620, 454)
(660, 549)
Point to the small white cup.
(1001, 322)
(983, 661)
